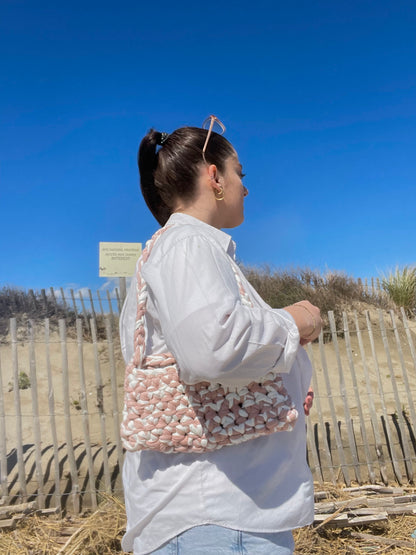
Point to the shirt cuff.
(287, 357)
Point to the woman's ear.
(213, 172)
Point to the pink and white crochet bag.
(164, 414)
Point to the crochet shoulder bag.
(164, 414)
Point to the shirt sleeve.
(194, 295)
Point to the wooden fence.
(61, 389)
(54, 302)
(86, 303)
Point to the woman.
(243, 498)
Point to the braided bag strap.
(141, 291)
(164, 414)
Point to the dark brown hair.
(169, 173)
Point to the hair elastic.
(163, 138)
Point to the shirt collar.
(225, 240)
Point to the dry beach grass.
(100, 532)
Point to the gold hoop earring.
(219, 195)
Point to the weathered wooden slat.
(74, 304)
(374, 488)
(362, 511)
(331, 506)
(394, 460)
(35, 409)
(18, 411)
(409, 337)
(67, 413)
(52, 419)
(92, 304)
(110, 306)
(45, 302)
(119, 305)
(348, 348)
(366, 520)
(24, 508)
(343, 520)
(321, 424)
(10, 523)
(405, 499)
(314, 463)
(53, 296)
(100, 303)
(312, 449)
(3, 445)
(338, 441)
(33, 299)
(373, 415)
(321, 495)
(339, 520)
(84, 310)
(85, 420)
(343, 391)
(405, 509)
(380, 501)
(64, 301)
(114, 385)
(123, 291)
(381, 540)
(100, 405)
(409, 395)
(399, 413)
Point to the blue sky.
(319, 99)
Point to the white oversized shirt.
(195, 311)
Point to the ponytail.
(147, 160)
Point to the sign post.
(119, 260)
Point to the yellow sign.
(118, 259)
